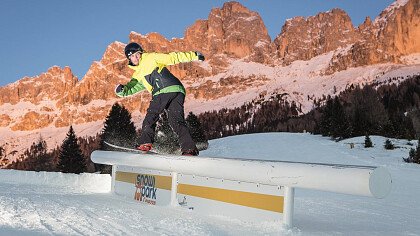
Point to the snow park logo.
(146, 189)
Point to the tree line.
(73, 156)
(257, 116)
(372, 109)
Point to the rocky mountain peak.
(304, 38)
(389, 12)
(398, 28)
(101, 77)
(114, 52)
(227, 32)
(366, 26)
(50, 85)
(394, 33)
(231, 8)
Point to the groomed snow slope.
(65, 204)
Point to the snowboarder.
(167, 91)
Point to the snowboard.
(129, 149)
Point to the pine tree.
(369, 113)
(35, 158)
(118, 128)
(340, 126)
(70, 158)
(196, 131)
(368, 142)
(38, 158)
(195, 128)
(399, 126)
(88, 145)
(411, 156)
(334, 121)
(325, 123)
(388, 145)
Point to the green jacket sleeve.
(131, 88)
(175, 57)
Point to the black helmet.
(132, 48)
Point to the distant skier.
(167, 91)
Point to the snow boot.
(145, 147)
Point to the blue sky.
(35, 35)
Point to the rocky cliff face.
(398, 28)
(303, 39)
(226, 34)
(35, 98)
(394, 33)
(47, 86)
(230, 33)
(236, 32)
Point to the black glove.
(200, 56)
(119, 88)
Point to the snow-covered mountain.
(311, 57)
(39, 203)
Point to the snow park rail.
(239, 188)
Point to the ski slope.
(66, 204)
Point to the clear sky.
(35, 35)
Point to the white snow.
(250, 18)
(42, 203)
(411, 59)
(261, 43)
(382, 19)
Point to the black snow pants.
(173, 103)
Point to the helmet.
(132, 48)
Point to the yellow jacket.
(151, 73)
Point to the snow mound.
(87, 183)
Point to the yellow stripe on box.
(162, 182)
(254, 200)
(248, 199)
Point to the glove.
(119, 88)
(200, 56)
